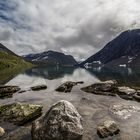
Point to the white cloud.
(76, 27)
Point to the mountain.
(10, 64)
(51, 58)
(9, 59)
(122, 51)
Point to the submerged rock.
(123, 111)
(67, 86)
(19, 113)
(107, 128)
(61, 122)
(2, 131)
(126, 92)
(21, 133)
(103, 88)
(8, 91)
(39, 87)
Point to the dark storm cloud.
(75, 27)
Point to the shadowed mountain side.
(123, 50)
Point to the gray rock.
(107, 128)
(102, 88)
(61, 122)
(136, 96)
(8, 91)
(19, 113)
(39, 87)
(126, 92)
(123, 111)
(67, 86)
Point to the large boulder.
(39, 87)
(67, 86)
(126, 92)
(123, 111)
(8, 91)
(19, 113)
(107, 128)
(61, 122)
(102, 88)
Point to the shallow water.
(93, 108)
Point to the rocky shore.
(65, 120)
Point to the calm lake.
(54, 76)
(93, 108)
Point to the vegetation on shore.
(11, 65)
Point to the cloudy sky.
(77, 27)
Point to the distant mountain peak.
(51, 58)
(127, 44)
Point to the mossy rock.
(19, 113)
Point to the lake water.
(58, 75)
(93, 108)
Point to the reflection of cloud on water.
(130, 71)
(26, 81)
(80, 75)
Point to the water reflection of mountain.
(125, 76)
(50, 72)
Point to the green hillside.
(11, 61)
(11, 65)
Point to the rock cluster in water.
(111, 88)
(61, 122)
(102, 88)
(8, 91)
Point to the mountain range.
(122, 51)
(51, 58)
